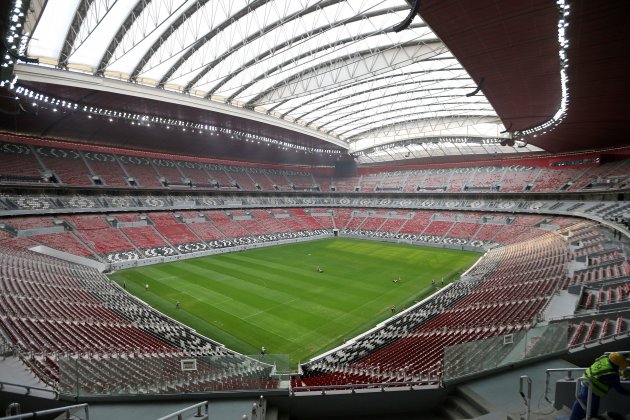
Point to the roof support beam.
(451, 120)
(242, 43)
(453, 108)
(122, 31)
(73, 31)
(434, 94)
(285, 44)
(167, 33)
(360, 82)
(387, 55)
(435, 120)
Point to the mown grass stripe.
(274, 297)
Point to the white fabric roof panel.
(335, 66)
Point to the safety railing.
(599, 340)
(580, 381)
(27, 388)
(352, 388)
(258, 412)
(201, 408)
(471, 358)
(568, 371)
(589, 396)
(527, 398)
(161, 374)
(59, 410)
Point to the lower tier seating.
(65, 319)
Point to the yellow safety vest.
(601, 367)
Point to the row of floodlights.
(15, 43)
(167, 123)
(563, 41)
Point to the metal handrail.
(528, 398)
(180, 413)
(600, 339)
(583, 381)
(584, 316)
(569, 371)
(57, 410)
(28, 388)
(548, 377)
(354, 387)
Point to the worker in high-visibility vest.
(602, 375)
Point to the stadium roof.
(335, 71)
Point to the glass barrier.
(281, 363)
(132, 374)
(473, 357)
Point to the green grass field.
(274, 296)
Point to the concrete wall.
(70, 257)
(362, 404)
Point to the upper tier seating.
(394, 182)
(555, 180)
(368, 183)
(142, 171)
(18, 163)
(107, 167)
(485, 178)
(68, 166)
(436, 180)
(300, 181)
(195, 173)
(346, 184)
(519, 179)
(169, 170)
(278, 181)
(221, 178)
(460, 179)
(323, 182)
(83, 165)
(413, 180)
(244, 181)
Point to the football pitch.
(275, 296)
